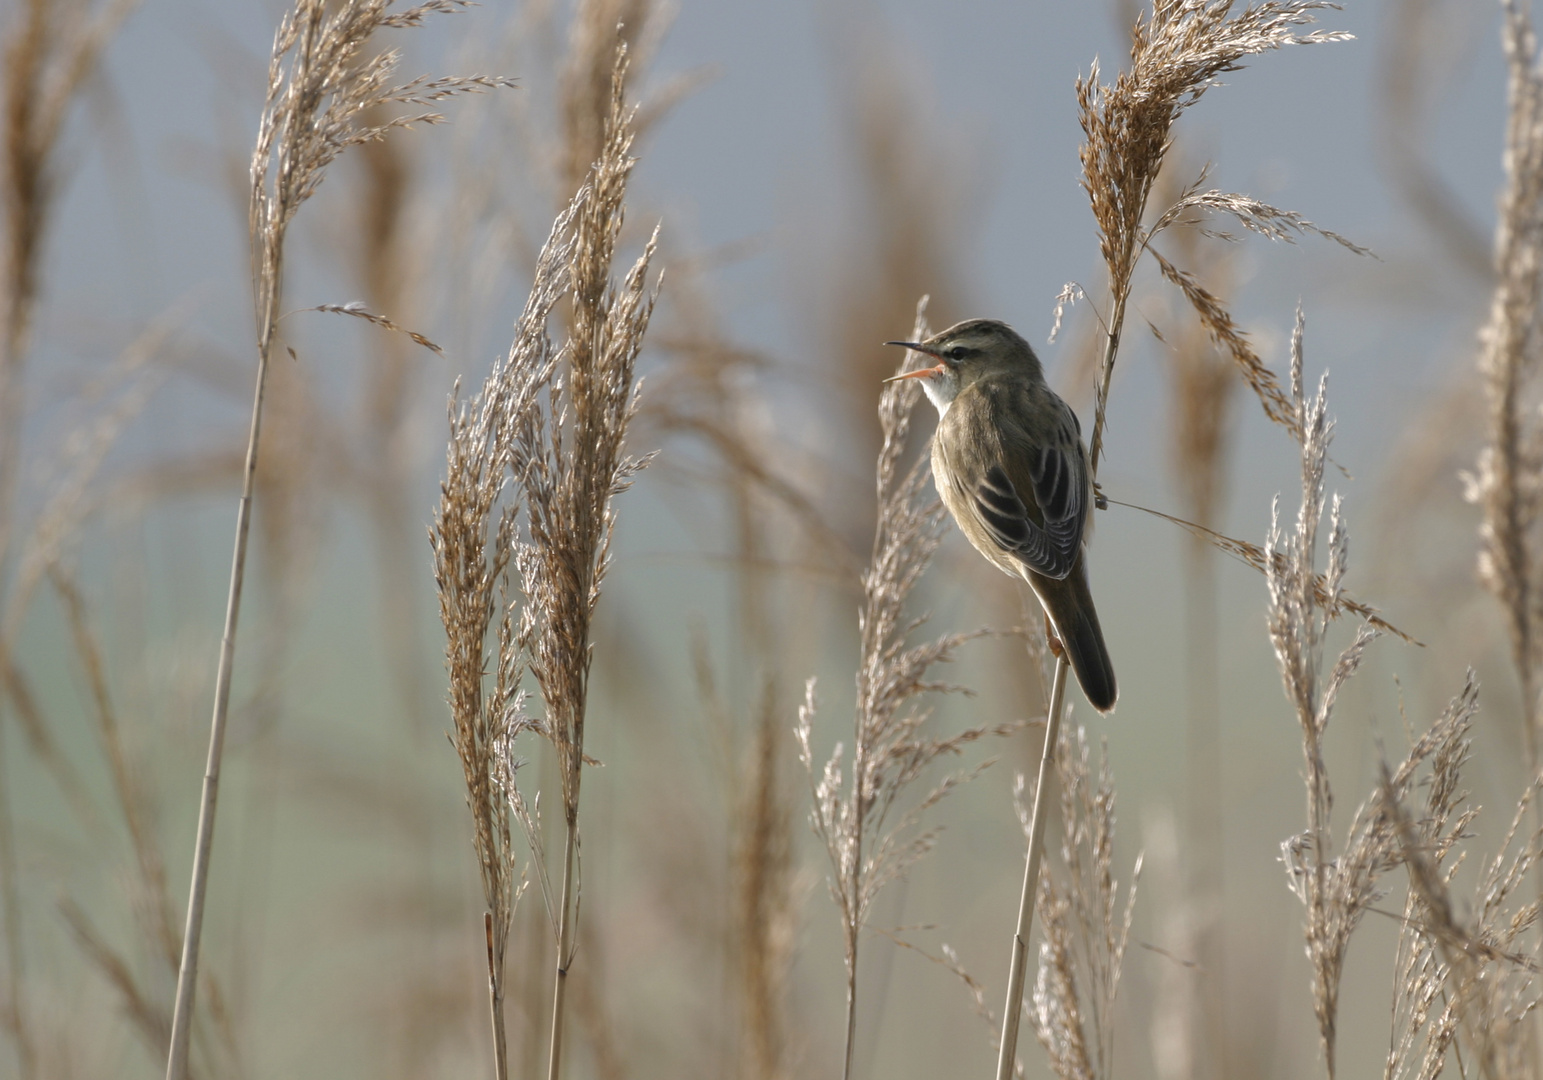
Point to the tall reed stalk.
(1508, 471)
(319, 88)
(50, 51)
(549, 427)
(575, 469)
(867, 846)
(1177, 52)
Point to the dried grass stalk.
(1337, 889)
(552, 422)
(1510, 468)
(154, 913)
(1334, 891)
(599, 27)
(51, 48)
(558, 442)
(573, 467)
(767, 905)
(1333, 604)
(1474, 979)
(1085, 929)
(890, 746)
(320, 89)
(1177, 53)
(1424, 1020)
(50, 51)
(707, 394)
(474, 538)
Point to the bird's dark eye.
(957, 353)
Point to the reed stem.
(564, 948)
(1008, 1052)
(1013, 1010)
(851, 1040)
(187, 971)
(496, 1004)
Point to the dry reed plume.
(51, 49)
(1465, 981)
(474, 538)
(533, 152)
(1454, 981)
(1085, 930)
(1335, 891)
(909, 222)
(320, 90)
(552, 423)
(521, 542)
(1418, 74)
(890, 747)
(1508, 472)
(46, 555)
(1177, 52)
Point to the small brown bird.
(1009, 463)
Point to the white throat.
(941, 391)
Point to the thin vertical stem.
(1013, 1010)
(853, 928)
(10, 896)
(1008, 1051)
(187, 971)
(564, 943)
(496, 1004)
(851, 1040)
(1106, 375)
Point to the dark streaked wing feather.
(1046, 535)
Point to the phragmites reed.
(1423, 1025)
(1508, 472)
(1338, 888)
(50, 50)
(1335, 892)
(1177, 52)
(584, 84)
(1085, 930)
(707, 395)
(909, 222)
(1468, 982)
(574, 467)
(387, 270)
(890, 746)
(320, 89)
(551, 422)
(473, 539)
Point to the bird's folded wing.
(1053, 478)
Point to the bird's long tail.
(1070, 607)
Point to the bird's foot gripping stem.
(1057, 649)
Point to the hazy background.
(344, 914)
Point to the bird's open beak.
(920, 373)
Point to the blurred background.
(817, 167)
